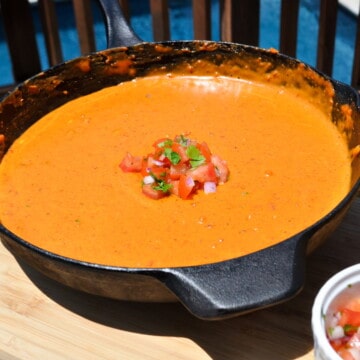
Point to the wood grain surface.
(40, 319)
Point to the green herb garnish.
(162, 186)
(173, 156)
(194, 154)
(182, 140)
(350, 329)
(165, 143)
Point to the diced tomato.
(177, 170)
(175, 187)
(178, 148)
(164, 160)
(186, 185)
(205, 151)
(149, 191)
(204, 173)
(144, 167)
(221, 168)
(159, 144)
(345, 354)
(349, 317)
(152, 161)
(131, 163)
(337, 344)
(353, 304)
(159, 172)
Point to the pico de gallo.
(179, 166)
(344, 330)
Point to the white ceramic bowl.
(329, 291)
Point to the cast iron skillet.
(213, 291)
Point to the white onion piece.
(158, 163)
(337, 332)
(190, 181)
(148, 180)
(209, 187)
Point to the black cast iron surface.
(213, 291)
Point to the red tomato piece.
(178, 148)
(349, 317)
(159, 144)
(177, 170)
(345, 354)
(337, 344)
(175, 187)
(152, 161)
(221, 168)
(186, 186)
(353, 304)
(204, 173)
(131, 163)
(144, 168)
(150, 192)
(205, 151)
(159, 172)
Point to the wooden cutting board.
(40, 319)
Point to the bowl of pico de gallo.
(336, 317)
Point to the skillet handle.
(118, 30)
(241, 285)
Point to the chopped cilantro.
(350, 329)
(194, 154)
(173, 156)
(182, 140)
(162, 186)
(165, 143)
(157, 178)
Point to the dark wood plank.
(84, 24)
(289, 26)
(160, 19)
(51, 31)
(240, 21)
(20, 34)
(202, 19)
(327, 32)
(125, 8)
(355, 80)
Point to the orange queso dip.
(62, 188)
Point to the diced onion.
(158, 163)
(190, 181)
(148, 180)
(337, 332)
(209, 187)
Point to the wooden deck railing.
(239, 22)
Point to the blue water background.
(181, 29)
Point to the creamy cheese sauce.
(62, 189)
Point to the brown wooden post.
(327, 32)
(202, 19)
(240, 20)
(160, 19)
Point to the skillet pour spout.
(212, 291)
